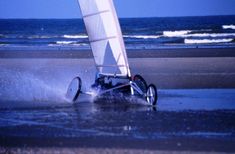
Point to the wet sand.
(120, 127)
(96, 151)
(195, 112)
(132, 53)
(173, 68)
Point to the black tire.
(151, 95)
(74, 89)
(141, 83)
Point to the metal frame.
(132, 85)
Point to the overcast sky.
(125, 8)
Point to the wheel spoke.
(152, 99)
(151, 91)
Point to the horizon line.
(131, 17)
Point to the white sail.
(105, 37)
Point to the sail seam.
(110, 65)
(102, 39)
(94, 14)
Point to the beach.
(167, 68)
(194, 114)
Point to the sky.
(125, 8)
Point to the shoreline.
(131, 53)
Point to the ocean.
(138, 33)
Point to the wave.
(29, 36)
(176, 33)
(75, 36)
(186, 34)
(66, 42)
(210, 35)
(74, 43)
(143, 36)
(206, 41)
(228, 26)
(43, 36)
(57, 36)
(40, 37)
(181, 34)
(167, 34)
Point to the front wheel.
(74, 89)
(151, 95)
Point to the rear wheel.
(140, 82)
(151, 95)
(74, 89)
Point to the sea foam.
(206, 41)
(210, 35)
(176, 33)
(75, 36)
(66, 42)
(143, 36)
(181, 34)
(228, 26)
(186, 33)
